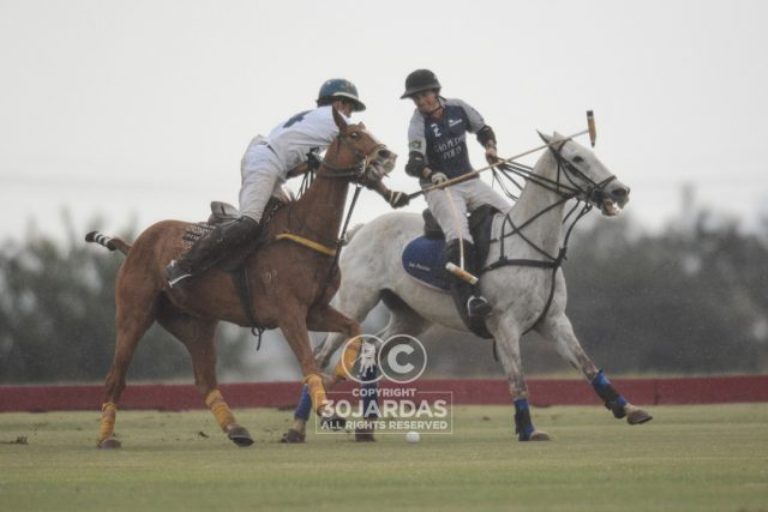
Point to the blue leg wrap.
(369, 393)
(605, 390)
(523, 424)
(304, 407)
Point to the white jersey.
(289, 142)
(267, 160)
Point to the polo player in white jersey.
(290, 149)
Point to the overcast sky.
(140, 110)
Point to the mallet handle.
(470, 175)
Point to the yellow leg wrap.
(316, 391)
(220, 409)
(348, 358)
(108, 417)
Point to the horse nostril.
(385, 153)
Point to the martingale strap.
(315, 246)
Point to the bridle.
(355, 172)
(593, 191)
(589, 193)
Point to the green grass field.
(688, 458)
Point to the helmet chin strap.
(437, 109)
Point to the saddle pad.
(423, 260)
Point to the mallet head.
(591, 126)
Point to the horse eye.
(577, 159)
(354, 135)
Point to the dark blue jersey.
(443, 142)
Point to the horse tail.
(109, 243)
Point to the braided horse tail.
(109, 243)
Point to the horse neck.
(545, 230)
(320, 210)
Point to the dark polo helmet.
(339, 88)
(420, 80)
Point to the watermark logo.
(400, 358)
(385, 397)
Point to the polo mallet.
(591, 130)
(591, 127)
(459, 272)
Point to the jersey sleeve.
(476, 121)
(417, 139)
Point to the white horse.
(522, 296)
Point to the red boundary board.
(543, 392)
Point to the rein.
(352, 173)
(566, 192)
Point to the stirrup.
(175, 274)
(478, 306)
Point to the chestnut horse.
(292, 279)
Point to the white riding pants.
(262, 177)
(450, 205)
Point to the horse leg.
(135, 305)
(325, 318)
(560, 330)
(197, 335)
(356, 301)
(402, 321)
(507, 337)
(294, 327)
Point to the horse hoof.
(536, 435)
(638, 416)
(239, 435)
(109, 443)
(293, 436)
(333, 423)
(364, 435)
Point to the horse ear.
(546, 138)
(558, 136)
(339, 119)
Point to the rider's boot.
(208, 250)
(466, 296)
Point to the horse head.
(580, 173)
(356, 154)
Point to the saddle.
(480, 223)
(423, 256)
(224, 213)
(423, 259)
(234, 263)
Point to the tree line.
(689, 299)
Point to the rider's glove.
(438, 178)
(398, 199)
(490, 155)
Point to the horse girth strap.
(503, 262)
(315, 246)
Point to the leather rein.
(592, 192)
(356, 171)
